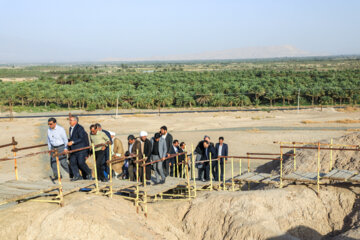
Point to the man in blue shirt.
(57, 139)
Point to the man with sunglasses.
(57, 139)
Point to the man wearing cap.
(146, 150)
(158, 153)
(134, 147)
(117, 151)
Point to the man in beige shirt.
(117, 152)
(98, 137)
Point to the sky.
(89, 30)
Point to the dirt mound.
(295, 212)
(306, 159)
(292, 213)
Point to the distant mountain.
(235, 53)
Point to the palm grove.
(186, 89)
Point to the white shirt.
(57, 137)
(164, 136)
(71, 130)
(175, 149)
(220, 149)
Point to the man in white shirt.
(57, 140)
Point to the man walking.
(134, 147)
(57, 140)
(208, 149)
(106, 155)
(146, 149)
(78, 139)
(172, 161)
(222, 150)
(158, 153)
(168, 140)
(98, 137)
(117, 151)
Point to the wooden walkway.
(255, 177)
(170, 184)
(12, 191)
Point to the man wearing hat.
(117, 151)
(146, 148)
(134, 147)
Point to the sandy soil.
(292, 213)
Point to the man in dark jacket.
(134, 147)
(78, 139)
(199, 151)
(221, 150)
(169, 140)
(106, 167)
(174, 149)
(209, 150)
(146, 149)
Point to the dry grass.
(255, 130)
(309, 122)
(255, 118)
(345, 121)
(353, 130)
(348, 109)
(136, 115)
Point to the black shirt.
(155, 150)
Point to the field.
(329, 93)
(263, 83)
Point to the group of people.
(158, 152)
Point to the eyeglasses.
(50, 124)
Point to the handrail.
(341, 149)
(7, 145)
(84, 148)
(30, 147)
(272, 154)
(161, 160)
(23, 156)
(315, 144)
(120, 159)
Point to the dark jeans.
(78, 162)
(166, 167)
(205, 170)
(106, 157)
(132, 169)
(100, 167)
(62, 161)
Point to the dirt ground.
(291, 213)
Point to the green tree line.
(186, 89)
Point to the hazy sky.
(87, 30)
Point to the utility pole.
(298, 100)
(117, 106)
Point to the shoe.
(203, 180)
(89, 177)
(76, 179)
(104, 180)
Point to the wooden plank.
(258, 177)
(340, 174)
(244, 176)
(170, 183)
(301, 177)
(355, 178)
(272, 180)
(26, 196)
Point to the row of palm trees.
(186, 89)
